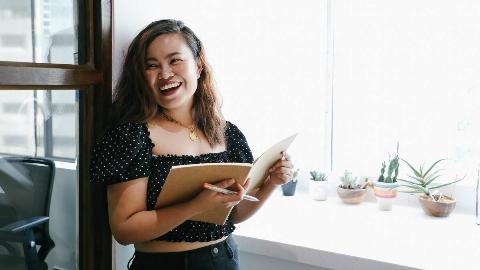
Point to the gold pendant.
(193, 135)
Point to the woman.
(166, 113)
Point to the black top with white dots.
(125, 153)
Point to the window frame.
(92, 77)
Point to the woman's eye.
(176, 60)
(151, 66)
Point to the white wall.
(269, 61)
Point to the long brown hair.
(134, 101)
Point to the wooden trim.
(91, 6)
(46, 76)
(95, 237)
(44, 65)
(93, 79)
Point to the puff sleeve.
(237, 145)
(123, 154)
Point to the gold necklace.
(193, 129)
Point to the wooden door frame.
(92, 77)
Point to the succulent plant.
(295, 175)
(423, 180)
(318, 176)
(392, 173)
(349, 181)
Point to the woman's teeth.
(170, 85)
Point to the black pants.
(220, 256)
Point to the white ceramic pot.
(385, 194)
(385, 204)
(318, 190)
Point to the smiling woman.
(166, 113)
(170, 66)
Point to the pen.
(229, 192)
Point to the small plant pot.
(288, 189)
(385, 194)
(441, 208)
(352, 196)
(318, 190)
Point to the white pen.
(229, 192)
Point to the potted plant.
(288, 188)
(422, 182)
(350, 190)
(385, 188)
(318, 186)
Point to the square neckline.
(152, 145)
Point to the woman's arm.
(130, 222)
(280, 173)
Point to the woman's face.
(171, 71)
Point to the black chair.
(24, 212)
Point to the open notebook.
(184, 182)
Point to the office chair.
(24, 212)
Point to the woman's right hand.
(208, 199)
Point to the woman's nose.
(165, 73)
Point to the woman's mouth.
(169, 89)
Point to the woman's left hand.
(282, 171)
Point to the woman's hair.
(133, 99)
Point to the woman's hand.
(208, 199)
(281, 172)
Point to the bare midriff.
(165, 246)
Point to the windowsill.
(335, 235)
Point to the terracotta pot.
(437, 209)
(351, 196)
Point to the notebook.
(184, 182)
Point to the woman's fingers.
(232, 185)
(282, 170)
(281, 163)
(285, 161)
(282, 174)
(231, 199)
(225, 183)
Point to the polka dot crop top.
(125, 153)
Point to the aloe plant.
(318, 176)
(423, 180)
(392, 172)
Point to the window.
(42, 123)
(38, 31)
(13, 41)
(54, 75)
(412, 77)
(352, 77)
